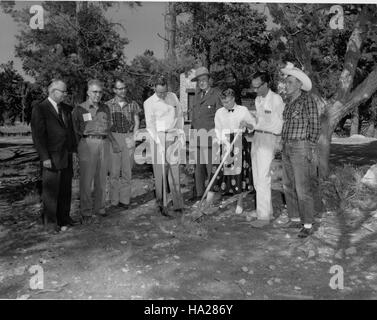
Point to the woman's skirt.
(236, 174)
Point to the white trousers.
(262, 154)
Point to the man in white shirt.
(269, 112)
(164, 120)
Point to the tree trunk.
(373, 115)
(355, 122)
(370, 130)
(81, 90)
(170, 43)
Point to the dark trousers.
(299, 186)
(56, 194)
(203, 169)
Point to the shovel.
(214, 178)
(164, 209)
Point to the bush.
(343, 189)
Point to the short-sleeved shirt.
(123, 117)
(91, 120)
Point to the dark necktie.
(202, 94)
(60, 113)
(230, 110)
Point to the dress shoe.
(123, 205)
(292, 225)
(102, 213)
(51, 228)
(164, 211)
(305, 232)
(87, 220)
(260, 223)
(72, 222)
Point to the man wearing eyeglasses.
(124, 124)
(53, 137)
(269, 113)
(91, 120)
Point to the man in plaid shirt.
(300, 133)
(124, 124)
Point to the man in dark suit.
(53, 137)
(207, 101)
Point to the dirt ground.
(139, 254)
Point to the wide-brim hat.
(201, 71)
(291, 70)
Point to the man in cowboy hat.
(207, 101)
(300, 133)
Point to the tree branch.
(359, 95)
(139, 74)
(352, 57)
(102, 61)
(162, 37)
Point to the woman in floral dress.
(235, 176)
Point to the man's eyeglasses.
(62, 91)
(256, 88)
(96, 92)
(123, 88)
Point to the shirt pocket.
(297, 114)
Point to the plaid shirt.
(301, 120)
(122, 119)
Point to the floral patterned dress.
(236, 175)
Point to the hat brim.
(306, 82)
(196, 78)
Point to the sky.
(142, 25)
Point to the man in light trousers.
(164, 119)
(269, 113)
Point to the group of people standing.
(103, 135)
(291, 126)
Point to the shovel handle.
(219, 168)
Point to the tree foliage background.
(228, 38)
(231, 39)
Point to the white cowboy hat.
(291, 70)
(200, 72)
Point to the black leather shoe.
(293, 225)
(123, 205)
(305, 232)
(72, 222)
(164, 211)
(51, 228)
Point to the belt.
(122, 132)
(268, 132)
(94, 136)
